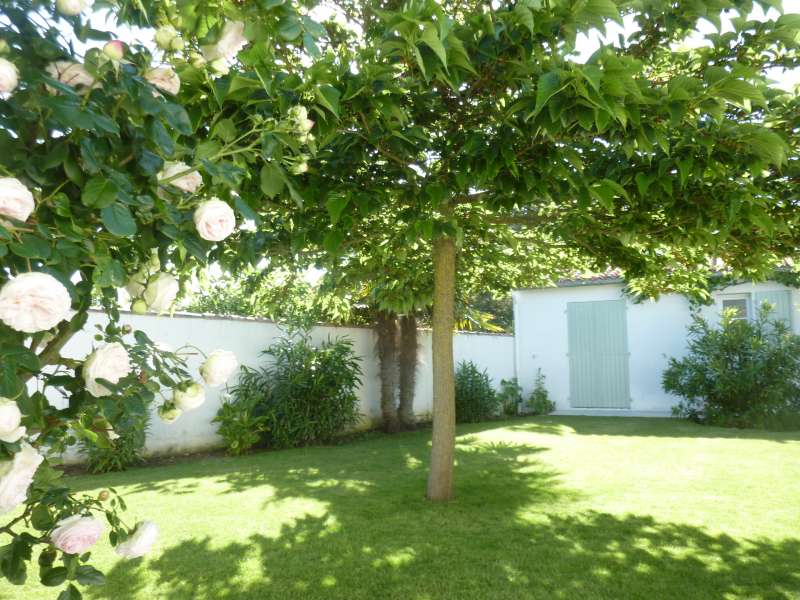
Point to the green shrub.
(539, 402)
(476, 400)
(239, 425)
(123, 452)
(739, 374)
(510, 396)
(306, 395)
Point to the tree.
(460, 114)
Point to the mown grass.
(546, 508)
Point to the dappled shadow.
(593, 556)
(367, 532)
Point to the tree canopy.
(444, 130)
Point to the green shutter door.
(598, 354)
(781, 300)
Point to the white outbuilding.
(603, 353)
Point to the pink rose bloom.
(76, 534)
(214, 220)
(34, 302)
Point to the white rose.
(34, 302)
(141, 542)
(188, 397)
(161, 292)
(16, 476)
(70, 73)
(76, 534)
(110, 362)
(231, 41)
(218, 367)
(71, 8)
(16, 201)
(9, 76)
(214, 220)
(10, 417)
(169, 413)
(190, 182)
(165, 79)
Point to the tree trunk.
(386, 327)
(408, 370)
(440, 479)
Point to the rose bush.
(124, 165)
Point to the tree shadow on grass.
(502, 537)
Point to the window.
(740, 304)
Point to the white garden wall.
(248, 337)
(656, 330)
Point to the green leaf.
(420, 61)
(88, 575)
(10, 384)
(602, 9)
(41, 518)
(245, 209)
(109, 273)
(548, 85)
(525, 16)
(70, 593)
(118, 220)
(328, 96)
(643, 182)
(333, 241)
(430, 37)
(767, 145)
(335, 206)
(20, 356)
(162, 138)
(225, 129)
(52, 577)
(289, 28)
(177, 117)
(738, 91)
(311, 46)
(99, 192)
(31, 246)
(272, 180)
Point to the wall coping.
(215, 317)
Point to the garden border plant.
(306, 394)
(739, 373)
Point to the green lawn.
(546, 508)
